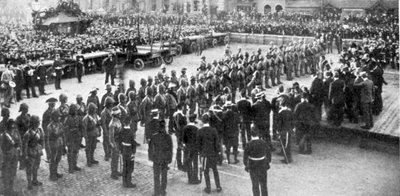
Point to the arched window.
(278, 8)
(267, 9)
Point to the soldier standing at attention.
(115, 128)
(128, 150)
(133, 113)
(22, 123)
(56, 143)
(106, 117)
(57, 67)
(73, 133)
(32, 147)
(91, 130)
(41, 76)
(107, 94)
(93, 98)
(160, 153)
(256, 158)
(191, 96)
(109, 65)
(11, 149)
(64, 108)
(46, 119)
(207, 143)
(81, 111)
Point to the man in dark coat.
(58, 70)
(46, 119)
(231, 132)
(189, 134)
(207, 142)
(79, 68)
(304, 120)
(22, 123)
(41, 76)
(160, 153)
(261, 111)
(107, 94)
(109, 66)
(128, 150)
(91, 130)
(245, 117)
(317, 95)
(285, 129)
(367, 94)
(256, 158)
(336, 98)
(179, 122)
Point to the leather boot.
(228, 157)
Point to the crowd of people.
(226, 94)
(354, 88)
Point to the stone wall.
(276, 39)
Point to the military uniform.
(207, 142)
(56, 142)
(73, 135)
(91, 126)
(58, 73)
(22, 122)
(128, 150)
(179, 121)
(256, 158)
(115, 128)
(33, 146)
(191, 96)
(11, 148)
(160, 153)
(41, 78)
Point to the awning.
(61, 18)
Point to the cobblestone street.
(332, 169)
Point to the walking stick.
(120, 162)
(284, 151)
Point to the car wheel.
(193, 47)
(214, 43)
(138, 64)
(168, 59)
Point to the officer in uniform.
(73, 135)
(81, 109)
(115, 128)
(22, 123)
(56, 143)
(201, 96)
(142, 89)
(11, 148)
(79, 68)
(189, 134)
(256, 158)
(181, 93)
(107, 94)
(19, 82)
(128, 150)
(46, 119)
(91, 130)
(191, 96)
(106, 117)
(33, 143)
(30, 80)
(41, 76)
(109, 65)
(57, 67)
(207, 142)
(160, 153)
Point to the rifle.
(283, 148)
